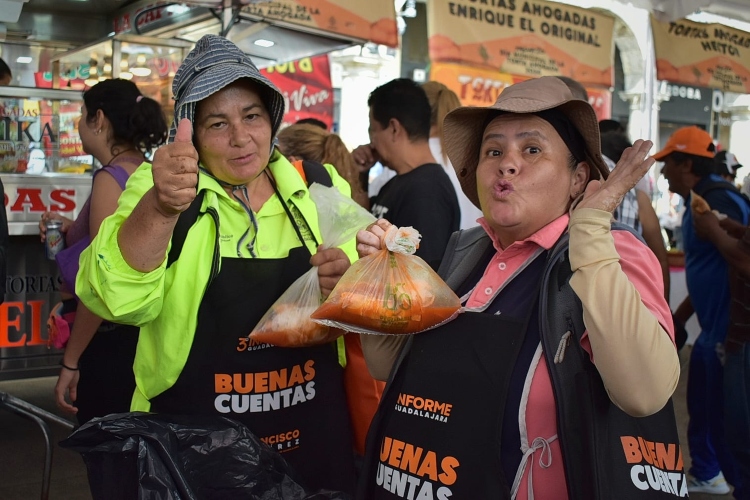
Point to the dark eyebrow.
(222, 115)
(530, 133)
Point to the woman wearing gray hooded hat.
(524, 395)
(253, 232)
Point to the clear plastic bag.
(287, 323)
(390, 292)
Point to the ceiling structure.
(671, 10)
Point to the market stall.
(41, 162)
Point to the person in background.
(442, 101)
(532, 162)
(312, 121)
(304, 141)
(118, 126)
(689, 168)
(733, 241)
(252, 231)
(636, 209)
(5, 75)
(727, 166)
(421, 194)
(609, 125)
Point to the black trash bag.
(149, 456)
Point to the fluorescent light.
(23, 60)
(177, 9)
(126, 75)
(140, 71)
(262, 42)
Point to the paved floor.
(22, 446)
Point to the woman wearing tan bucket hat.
(487, 406)
(249, 229)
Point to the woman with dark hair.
(118, 126)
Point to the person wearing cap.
(727, 165)
(254, 233)
(689, 167)
(483, 380)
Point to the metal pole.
(36, 414)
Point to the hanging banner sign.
(703, 55)
(372, 20)
(480, 87)
(523, 38)
(307, 89)
(473, 86)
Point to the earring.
(98, 131)
(575, 195)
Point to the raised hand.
(175, 172)
(369, 240)
(365, 157)
(633, 165)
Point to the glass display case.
(39, 131)
(149, 62)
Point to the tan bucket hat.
(464, 127)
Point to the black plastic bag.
(166, 457)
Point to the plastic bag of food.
(390, 292)
(700, 206)
(287, 323)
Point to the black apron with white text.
(291, 398)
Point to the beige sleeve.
(381, 352)
(634, 355)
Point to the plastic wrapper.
(287, 323)
(390, 292)
(139, 456)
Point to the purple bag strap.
(120, 174)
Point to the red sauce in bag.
(389, 293)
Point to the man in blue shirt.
(688, 167)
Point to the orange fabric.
(362, 391)
(298, 165)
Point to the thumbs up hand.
(175, 172)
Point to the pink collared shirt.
(642, 269)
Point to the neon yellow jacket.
(164, 303)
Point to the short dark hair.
(613, 144)
(4, 69)
(701, 165)
(312, 121)
(406, 101)
(610, 126)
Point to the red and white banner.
(307, 89)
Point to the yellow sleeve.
(105, 283)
